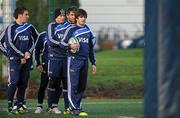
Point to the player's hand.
(40, 69)
(93, 69)
(23, 61)
(74, 46)
(27, 55)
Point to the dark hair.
(81, 12)
(58, 12)
(71, 9)
(19, 10)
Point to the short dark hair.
(71, 9)
(81, 12)
(19, 10)
(58, 11)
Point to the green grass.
(119, 73)
(119, 65)
(96, 108)
(124, 65)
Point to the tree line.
(42, 11)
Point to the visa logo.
(60, 36)
(83, 40)
(23, 38)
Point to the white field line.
(124, 117)
(112, 102)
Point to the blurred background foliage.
(42, 11)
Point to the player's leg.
(52, 97)
(25, 97)
(65, 96)
(73, 71)
(12, 82)
(57, 92)
(24, 102)
(27, 89)
(41, 92)
(82, 86)
(42, 88)
(22, 85)
(65, 91)
(58, 85)
(54, 82)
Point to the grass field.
(96, 108)
(119, 73)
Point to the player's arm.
(2, 41)
(92, 43)
(51, 37)
(92, 59)
(35, 35)
(38, 50)
(64, 42)
(9, 43)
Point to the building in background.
(115, 20)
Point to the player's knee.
(42, 88)
(43, 85)
(12, 85)
(52, 84)
(22, 86)
(65, 85)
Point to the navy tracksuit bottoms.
(77, 72)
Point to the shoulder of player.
(31, 26)
(10, 27)
(87, 26)
(72, 28)
(82, 29)
(42, 35)
(89, 29)
(52, 24)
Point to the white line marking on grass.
(124, 117)
(112, 102)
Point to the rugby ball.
(71, 41)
